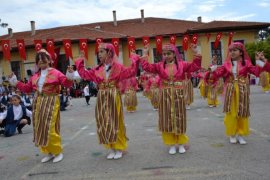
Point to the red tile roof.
(215, 26)
(131, 27)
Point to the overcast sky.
(54, 13)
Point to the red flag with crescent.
(218, 37)
(131, 44)
(146, 41)
(50, 47)
(159, 44)
(115, 42)
(68, 48)
(56, 58)
(194, 38)
(230, 38)
(173, 39)
(98, 41)
(21, 47)
(185, 42)
(6, 49)
(38, 45)
(84, 47)
(208, 35)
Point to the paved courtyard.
(209, 154)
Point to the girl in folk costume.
(46, 105)
(220, 81)
(172, 111)
(212, 85)
(130, 88)
(262, 61)
(189, 94)
(109, 110)
(146, 88)
(201, 84)
(235, 70)
(211, 89)
(154, 84)
(265, 81)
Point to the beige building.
(245, 32)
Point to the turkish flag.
(21, 47)
(84, 47)
(68, 48)
(218, 37)
(98, 41)
(146, 41)
(185, 42)
(159, 44)
(56, 58)
(115, 42)
(6, 49)
(230, 38)
(50, 47)
(131, 44)
(173, 39)
(194, 38)
(208, 35)
(38, 45)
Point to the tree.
(264, 34)
(264, 46)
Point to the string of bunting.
(83, 45)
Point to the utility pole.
(3, 25)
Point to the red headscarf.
(110, 48)
(171, 47)
(240, 46)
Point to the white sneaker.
(187, 107)
(172, 150)
(182, 149)
(233, 140)
(47, 158)
(118, 155)
(241, 140)
(111, 155)
(58, 158)
(211, 106)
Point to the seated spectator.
(16, 116)
(27, 100)
(64, 101)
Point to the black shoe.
(19, 131)
(29, 121)
(2, 131)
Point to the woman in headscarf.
(172, 111)
(235, 70)
(46, 83)
(109, 110)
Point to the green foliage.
(264, 46)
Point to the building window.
(62, 63)
(182, 53)
(216, 52)
(16, 68)
(157, 57)
(140, 53)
